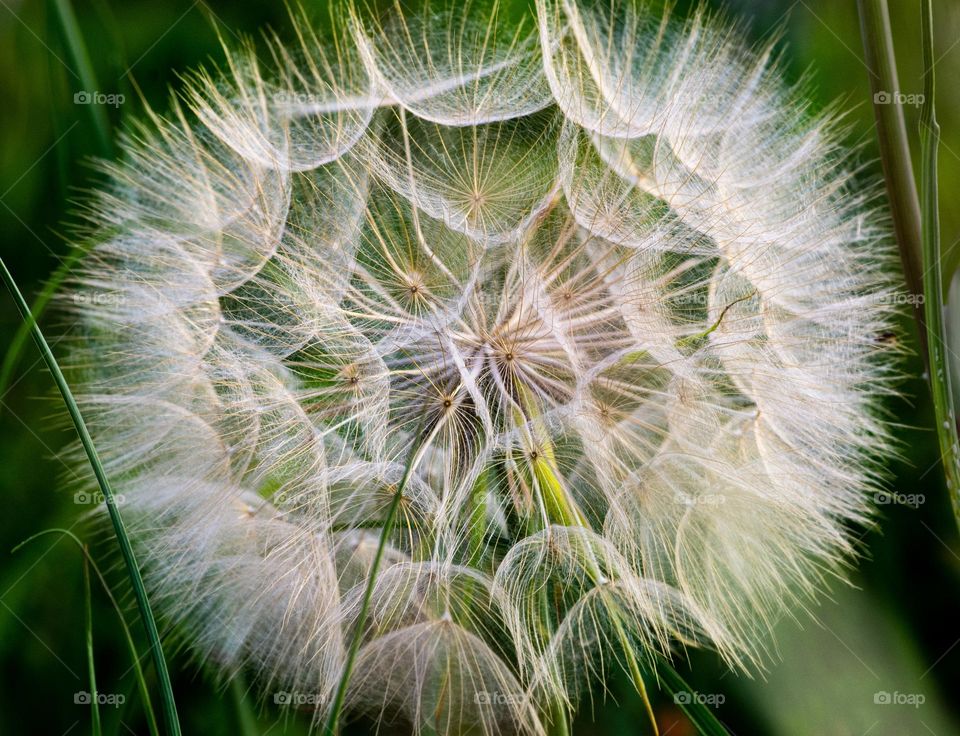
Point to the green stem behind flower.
(562, 509)
(77, 51)
(331, 726)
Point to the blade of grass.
(128, 637)
(13, 353)
(940, 379)
(143, 604)
(894, 151)
(95, 727)
(917, 226)
(12, 356)
(77, 50)
(699, 714)
(246, 720)
(67, 21)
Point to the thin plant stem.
(245, 716)
(12, 356)
(126, 549)
(916, 221)
(940, 378)
(77, 50)
(895, 152)
(128, 637)
(332, 725)
(95, 726)
(699, 714)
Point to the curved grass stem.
(126, 549)
(12, 356)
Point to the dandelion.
(454, 361)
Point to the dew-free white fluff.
(593, 297)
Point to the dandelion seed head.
(591, 297)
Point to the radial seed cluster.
(580, 312)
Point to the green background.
(894, 630)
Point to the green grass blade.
(143, 604)
(894, 151)
(77, 49)
(940, 379)
(12, 356)
(128, 637)
(703, 719)
(95, 727)
(247, 721)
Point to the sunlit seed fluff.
(598, 281)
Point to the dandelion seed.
(579, 315)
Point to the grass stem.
(126, 549)
(128, 637)
(895, 151)
(95, 727)
(77, 50)
(940, 378)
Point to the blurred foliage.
(892, 632)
